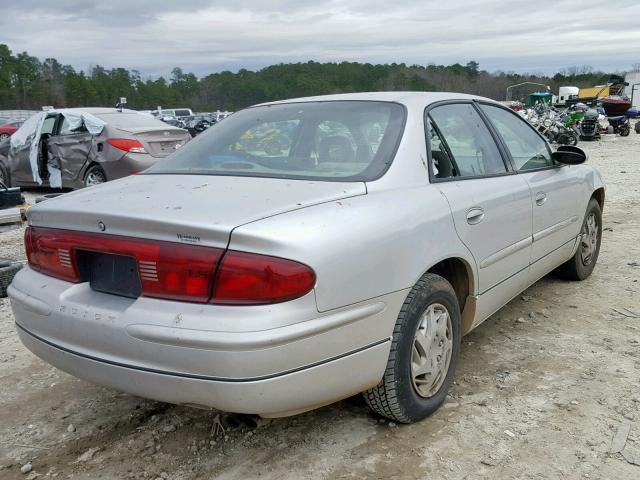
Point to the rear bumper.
(275, 396)
(129, 164)
(269, 360)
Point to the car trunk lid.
(159, 141)
(197, 209)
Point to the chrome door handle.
(475, 215)
(541, 198)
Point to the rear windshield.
(124, 120)
(339, 141)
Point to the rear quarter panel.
(361, 247)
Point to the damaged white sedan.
(304, 251)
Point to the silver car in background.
(304, 251)
(129, 143)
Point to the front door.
(555, 191)
(491, 205)
(21, 172)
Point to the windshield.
(343, 141)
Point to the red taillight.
(252, 279)
(169, 270)
(50, 251)
(127, 145)
(175, 271)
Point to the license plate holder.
(108, 273)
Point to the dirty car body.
(70, 157)
(265, 267)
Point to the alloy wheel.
(94, 178)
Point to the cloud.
(208, 36)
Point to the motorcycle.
(620, 125)
(557, 129)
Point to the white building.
(633, 79)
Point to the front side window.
(48, 124)
(527, 149)
(463, 137)
(337, 141)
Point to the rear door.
(70, 150)
(491, 205)
(556, 191)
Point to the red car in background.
(8, 129)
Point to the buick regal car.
(307, 250)
(65, 151)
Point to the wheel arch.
(460, 274)
(599, 195)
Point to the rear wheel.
(424, 353)
(94, 176)
(570, 138)
(625, 131)
(584, 261)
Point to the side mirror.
(569, 155)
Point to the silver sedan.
(304, 251)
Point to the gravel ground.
(543, 387)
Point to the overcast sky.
(206, 36)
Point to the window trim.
(506, 160)
(554, 164)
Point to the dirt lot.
(542, 388)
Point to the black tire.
(94, 172)
(396, 397)
(625, 131)
(576, 268)
(5, 178)
(568, 139)
(6, 276)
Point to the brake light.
(168, 270)
(127, 145)
(252, 279)
(50, 252)
(175, 271)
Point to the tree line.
(27, 82)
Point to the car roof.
(99, 110)
(406, 98)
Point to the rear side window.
(334, 141)
(65, 128)
(527, 149)
(460, 133)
